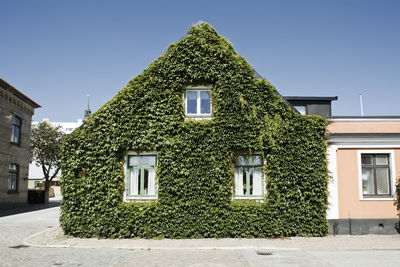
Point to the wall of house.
(11, 153)
(350, 205)
(364, 127)
(349, 211)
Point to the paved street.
(34, 239)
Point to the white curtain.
(257, 181)
(152, 182)
(134, 190)
(238, 182)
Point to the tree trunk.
(46, 196)
(46, 190)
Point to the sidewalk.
(55, 238)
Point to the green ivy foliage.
(195, 158)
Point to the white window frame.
(128, 198)
(391, 173)
(198, 89)
(263, 183)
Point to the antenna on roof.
(361, 105)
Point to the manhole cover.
(264, 253)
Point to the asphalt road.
(16, 228)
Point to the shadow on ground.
(12, 210)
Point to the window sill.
(11, 192)
(380, 198)
(248, 197)
(198, 117)
(138, 198)
(16, 144)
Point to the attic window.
(197, 102)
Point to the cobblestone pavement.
(34, 239)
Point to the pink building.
(364, 161)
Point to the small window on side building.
(16, 130)
(13, 177)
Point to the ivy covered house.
(196, 146)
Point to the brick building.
(16, 110)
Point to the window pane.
(13, 134)
(16, 135)
(139, 181)
(366, 159)
(244, 182)
(13, 167)
(301, 109)
(16, 121)
(205, 105)
(191, 102)
(9, 181)
(382, 181)
(381, 160)
(12, 177)
(134, 183)
(251, 174)
(135, 161)
(12, 182)
(238, 182)
(368, 180)
(255, 160)
(146, 182)
(257, 182)
(152, 181)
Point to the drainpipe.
(349, 224)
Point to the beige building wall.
(11, 103)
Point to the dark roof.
(311, 98)
(18, 93)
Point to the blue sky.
(57, 52)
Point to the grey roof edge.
(315, 98)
